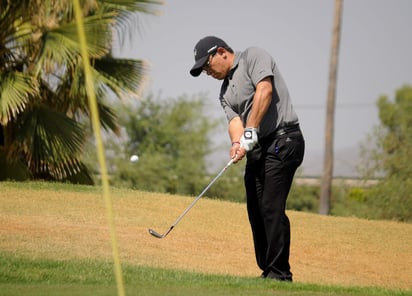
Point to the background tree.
(387, 156)
(42, 94)
(171, 138)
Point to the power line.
(338, 106)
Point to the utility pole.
(326, 183)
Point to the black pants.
(268, 177)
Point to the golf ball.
(134, 158)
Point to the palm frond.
(15, 91)
(143, 6)
(108, 118)
(61, 45)
(50, 141)
(128, 14)
(111, 76)
(15, 37)
(122, 76)
(74, 88)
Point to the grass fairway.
(54, 241)
(84, 277)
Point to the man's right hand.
(237, 152)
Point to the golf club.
(158, 235)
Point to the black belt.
(280, 131)
(287, 129)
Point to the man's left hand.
(249, 138)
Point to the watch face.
(248, 135)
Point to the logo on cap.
(212, 49)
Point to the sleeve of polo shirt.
(230, 114)
(260, 64)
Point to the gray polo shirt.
(238, 90)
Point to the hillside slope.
(63, 222)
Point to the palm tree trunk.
(326, 184)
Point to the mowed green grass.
(54, 241)
(25, 276)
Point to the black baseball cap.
(205, 47)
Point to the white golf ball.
(134, 158)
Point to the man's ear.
(221, 51)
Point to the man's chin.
(218, 77)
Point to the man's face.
(217, 65)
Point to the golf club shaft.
(203, 192)
(156, 234)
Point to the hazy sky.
(375, 54)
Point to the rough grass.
(64, 222)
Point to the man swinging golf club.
(263, 126)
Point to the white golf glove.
(249, 138)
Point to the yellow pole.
(99, 144)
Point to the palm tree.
(43, 100)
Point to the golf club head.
(158, 235)
(155, 234)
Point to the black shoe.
(277, 277)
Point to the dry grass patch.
(213, 238)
